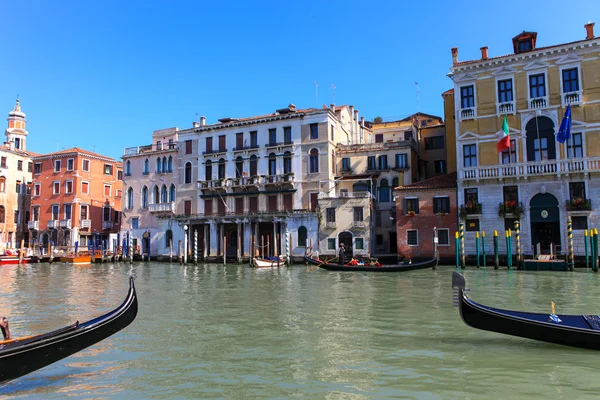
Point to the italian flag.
(504, 142)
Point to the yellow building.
(539, 180)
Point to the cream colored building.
(539, 181)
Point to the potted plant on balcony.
(510, 207)
(578, 203)
(411, 213)
(468, 209)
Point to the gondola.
(268, 262)
(372, 268)
(570, 330)
(19, 357)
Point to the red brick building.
(420, 207)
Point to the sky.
(103, 75)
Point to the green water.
(236, 332)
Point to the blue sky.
(102, 75)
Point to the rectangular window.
(505, 91)
(358, 214)
(108, 169)
(378, 219)
(239, 205)
(36, 213)
(135, 223)
(118, 193)
(29, 167)
(379, 240)
(70, 164)
(537, 86)
(575, 146)
(69, 187)
(346, 165)
(19, 165)
(359, 244)
(85, 187)
(472, 225)
(187, 207)
(471, 196)
(383, 164)
(253, 204)
(56, 165)
(55, 211)
(272, 137)
(540, 149)
(253, 139)
(443, 237)
(239, 140)
(18, 187)
(408, 135)
(511, 193)
(371, 163)
(288, 203)
(106, 214)
(434, 143)
(16, 220)
(208, 206)
(120, 175)
(222, 146)
(221, 207)
(441, 205)
(313, 201)
(37, 168)
(117, 217)
(412, 237)
(570, 80)
(510, 155)
(188, 147)
(68, 209)
(209, 145)
(37, 189)
(84, 212)
(272, 203)
(330, 243)
(577, 190)
(467, 96)
(56, 187)
(439, 166)
(287, 135)
(379, 138)
(579, 222)
(330, 215)
(401, 160)
(314, 131)
(85, 165)
(469, 155)
(411, 205)
(107, 190)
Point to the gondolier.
(341, 252)
(4, 327)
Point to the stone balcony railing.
(33, 225)
(467, 113)
(132, 151)
(525, 170)
(571, 98)
(344, 195)
(53, 224)
(538, 102)
(65, 223)
(85, 223)
(107, 225)
(162, 207)
(507, 107)
(358, 224)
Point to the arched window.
(208, 171)
(287, 162)
(188, 172)
(130, 198)
(2, 214)
(172, 193)
(395, 184)
(168, 238)
(314, 161)
(2, 184)
(302, 236)
(239, 167)
(158, 165)
(222, 168)
(163, 194)
(144, 197)
(384, 191)
(128, 168)
(253, 165)
(272, 164)
(165, 168)
(158, 145)
(156, 195)
(146, 166)
(170, 164)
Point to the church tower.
(16, 135)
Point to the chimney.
(589, 27)
(202, 121)
(196, 124)
(454, 55)
(356, 115)
(484, 53)
(362, 121)
(332, 106)
(351, 111)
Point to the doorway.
(393, 243)
(345, 238)
(545, 225)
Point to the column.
(274, 240)
(240, 245)
(214, 237)
(247, 226)
(205, 242)
(221, 244)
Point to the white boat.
(266, 263)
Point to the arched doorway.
(346, 239)
(541, 143)
(545, 225)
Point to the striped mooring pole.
(518, 241)
(287, 248)
(462, 245)
(477, 247)
(457, 249)
(508, 249)
(595, 258)
(585, 244)
(483, 247)
(496, 258)
(130, 246)
(195, 246)
(570, 241)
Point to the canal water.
(234, 332)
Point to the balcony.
(358, 224)
(467, 113)
(505, 108)
(209, 152)
(65, 223)
(579, 204)
(400, 167)
(571, 98)
(33, 225)
(279, 144)
(538, 102)
(212, 184)
(162, 207)
(85, 224)
(107, 225)
(53, 224)
(511, 207)
(524, 170)
(151, 148)
(470, 209)
(330, 225)
(280, 179)
(344, 195)
(243, 148)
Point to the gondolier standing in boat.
(341, 252)
(4, 327)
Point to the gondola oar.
(318, 265)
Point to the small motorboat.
(13, 257)
(268, 262)
(570, 330)
(20, 356)
(371, 267)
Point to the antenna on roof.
(333, 90)
(316, 91)
(418, 101)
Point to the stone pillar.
(274, 240)
(214, 237)
(247, 226)
(239, 242)
(205, 243)
(221, 243)
(257, 241)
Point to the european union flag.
(564, 132)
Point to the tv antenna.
(333, 90)
(418, 100)
(316, 91)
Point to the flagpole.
(537, 128)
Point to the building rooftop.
(444, 181)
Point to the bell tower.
(16, 135)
